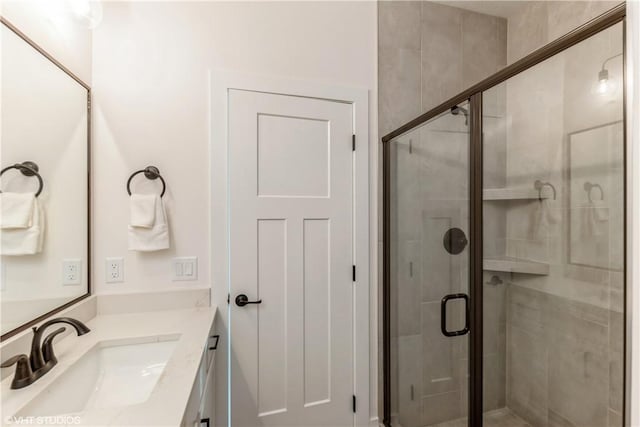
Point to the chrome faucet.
(42, 358)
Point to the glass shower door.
(553, 285)
(429, 272)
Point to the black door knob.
(242, 300)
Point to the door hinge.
(353, 272)
(354, 403)
(353, 142)
(228, 298)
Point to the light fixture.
(605, 85)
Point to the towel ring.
(152, 173)
(27, 168)
(589, 186)
(539, 185)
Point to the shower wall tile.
(398, 86)
(435, 260)
(578, 362)
(564, 16)
(399, 24)
(494, 316)
(502, 29)
(441, 53)
(615, 418)
(395, 364)
(494, 380)
(410, 380)
(438, 408)
(616, 361)
(480, 47)
(409, 288)
(527, 386)
(556, 420)
(407, 188)
(527, 30)
(564, 363)
(440, 368)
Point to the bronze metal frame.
(55, 62)
(474, 96)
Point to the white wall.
(53, 26)
(151, 106)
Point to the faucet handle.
(23, 376)
(47, 346)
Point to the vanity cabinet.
(200, 407)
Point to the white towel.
(143, 210)
(154, 238)
(16, 210)
(594, 220)
(542, 219)
(24, 241)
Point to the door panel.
(291, 234)
(430, 188)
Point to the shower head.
(457, 110)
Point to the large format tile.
(399, 24)
(527, 385)
(480, 47)
(409, 289)
(399, 87)
(441, 53)
(616, 361)
(442, 407)
(579, 382)
(564, 16)
(527, 30)
(410, 381)
(441, 355)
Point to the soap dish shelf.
(515, 265)
(512, 193)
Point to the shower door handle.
(443, 315)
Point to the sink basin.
(111, 374)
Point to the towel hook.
(150, 172)
(589, 186)
(539, 185)
(27, 168)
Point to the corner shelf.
(511, 193)
(515, 265)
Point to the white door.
(291, 248)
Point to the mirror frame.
(44, 53)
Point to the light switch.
(185, 268)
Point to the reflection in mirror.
(595, 196)
(44, 221)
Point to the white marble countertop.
(168, 400)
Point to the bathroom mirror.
(44, 155)
(595, 194)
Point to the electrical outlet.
(114, 270)
(185, 268)
(71, 272)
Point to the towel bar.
(588, 187)
(152, 173)
(27, 168)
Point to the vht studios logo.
(57, 420)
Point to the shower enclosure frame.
(473, 95)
